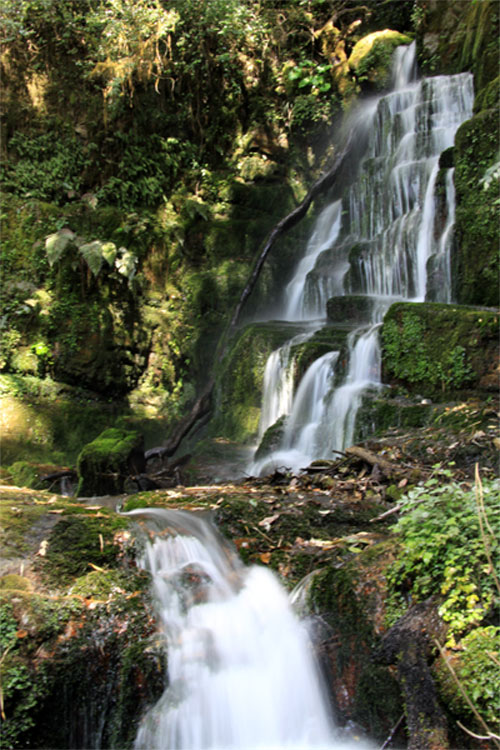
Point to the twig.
(393, 732)
(465, 696)
(481, 513)
(490, 736)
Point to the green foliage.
(47, 166)
(447, 545)
(94, 253)
(435, 347)
(476, 667)
(308, 73)
(9, 339)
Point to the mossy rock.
(377, 414)
(371, 57)
(477, 173)
(435, 349)
(327, 339)
(348, 599)
(271, 440)
(453, 37)
(240, 379)
(104, 464)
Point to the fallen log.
(373, 459)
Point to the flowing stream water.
(387, 239)
(241, 670)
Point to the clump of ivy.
(449, 549)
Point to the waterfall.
(241, 674)
(385, 239)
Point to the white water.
(379, 241)
(241, 674)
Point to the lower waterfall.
(241, 671)
(387, 239)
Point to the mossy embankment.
(77, 664)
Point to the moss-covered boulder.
(434, 349)
(330, 338)
(348, 600)
(350, 309)
(104, 464)
(379, 412)
(371, 57)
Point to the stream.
(241, 668)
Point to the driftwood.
(386, 467)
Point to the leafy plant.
(450, 549)
(94, 253)
(307, 73)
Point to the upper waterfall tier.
(387, 238)
(379, 238)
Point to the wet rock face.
(407, 645)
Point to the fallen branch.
(478, 736)
(322, 184)
(393, 732)
(372, 459)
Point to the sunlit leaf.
(56, 244)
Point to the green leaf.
(126, 263)
(56, 244)
(92, 252)
(109, 252)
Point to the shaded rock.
(407, 645)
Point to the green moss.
(371, 57)
(434, 347)
(271, 440)
(377, 414)
(476, 182)
(77, 542)
(327, 339)
(104, 464)
(240, 380)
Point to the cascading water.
(384, 240)
(241, 675)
